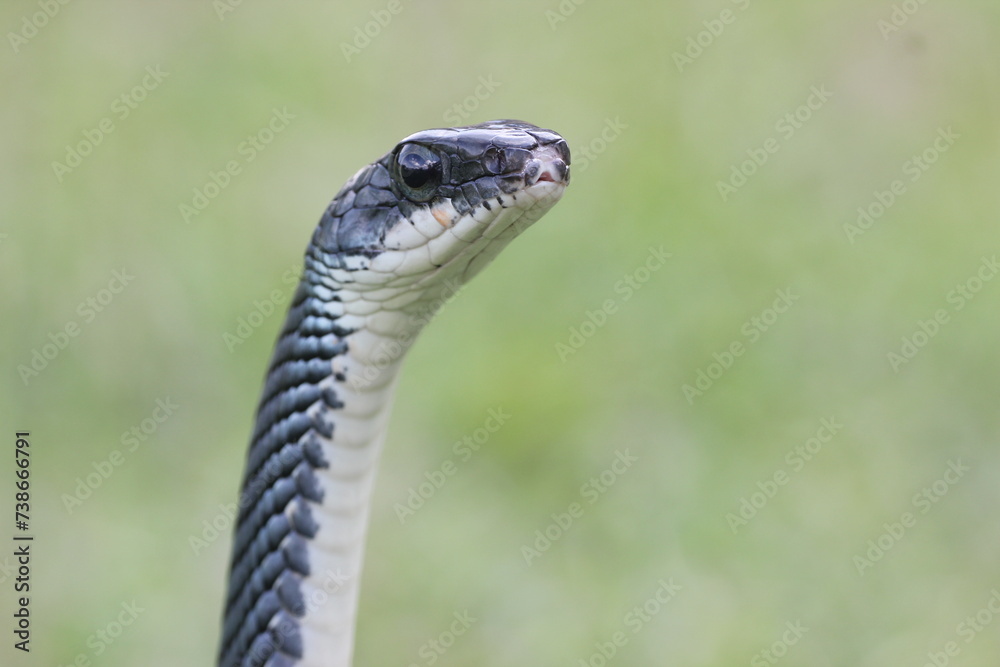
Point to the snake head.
(443, 189)
(470, 165)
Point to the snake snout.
(547, 168)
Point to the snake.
(396, 242)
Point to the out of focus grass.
(653, 184)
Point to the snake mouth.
(468, 244)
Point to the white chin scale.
(436, 243)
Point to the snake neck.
(330, 589)
(304, 506)
(396, 243)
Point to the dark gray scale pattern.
(275, 524)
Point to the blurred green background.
(660, 102)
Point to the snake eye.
(419, 171)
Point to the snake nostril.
(533, 171)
